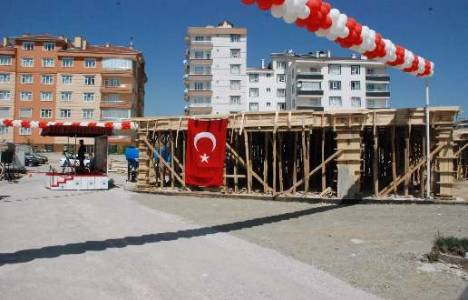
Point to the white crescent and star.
(204, 135)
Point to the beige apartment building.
(47, 78)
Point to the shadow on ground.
(28, 255)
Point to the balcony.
(309, 76)
(378, 77)
(378, 94)
(310, 93)
(199, 110)
(308, 103)
(123, 88)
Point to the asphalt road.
(103, 245)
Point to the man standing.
(81, 155)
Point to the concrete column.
(445, 163)
(349, 162)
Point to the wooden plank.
(172, 158)
(375, 161)
(280, 163)
(248, 162)
(305, 158)
(294, 175)
(407, 159)
(394, 156)
(265, 163)
(274, 150)
(324, 168)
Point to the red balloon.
(25, 124)
(264, 4)
(42, 124)
(248, 2)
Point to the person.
(81, 155)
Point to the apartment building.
(216, 69)
(45, 77)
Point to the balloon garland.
(125, 125)
(325, 21)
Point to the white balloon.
(334, 14)
(305, 12)
(278, 11)
(290, 18)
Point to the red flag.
(205, 154)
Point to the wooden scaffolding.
(340, 154)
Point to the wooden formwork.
(461, 153)
(342, 154)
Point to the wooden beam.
(274, 151)
(407, 159)
(324, 169)
(394, 156)
(172, 159)
(294, 145)
(305, 158)
(265, 163)
(248, 162)
(280, 163)
(457, 154)
(375, 162)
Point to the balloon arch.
(325, 21)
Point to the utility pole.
(428, 142)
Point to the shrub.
(451, 245)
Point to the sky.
(433, 29)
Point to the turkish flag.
(205, 153)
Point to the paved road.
(103, 245)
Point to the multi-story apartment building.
(216, 69)
(44, 77)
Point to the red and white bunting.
(325, 21)
(125, 125)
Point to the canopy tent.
(76, 131)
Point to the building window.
(112, 98)
(112, 82)
(4, 77)
(370, 71)
(315, 70)
(5, 60)
(235, 53)
(67, 62)
(355, 85)
(90, 63)
(47, 79)
(268, 90)
(335, 102)
(46, 96)
(89, 80)
(355, 70)
(49, 46)
(4, 113)
(235, 38)
(281, 78)
(356, 102)
(5, 95)
(201, 54)
(335, 85)
(66, 96)
(67, 79)
(235, 85)
(334, 69)
(46, 113)
(26, 113)
(115, 114)
(254, 93)
(88, 97)
(309, 85)
(202, 38)
(376, 103)
(27, 62)
(200, 101)
(268, 104)
(254, 77)
(26, 79)
(253, 107)
(88, 114)
(25, 131)
(235, 100)
(26, 96)
(281, 93)
(48, 62)
(377, 87)
(117, 64)
(281, 65)
(235, 69)
(28, 46)
(200, 70)
(3, 129)
(281, 106)
(65, 113)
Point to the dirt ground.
(374, 247)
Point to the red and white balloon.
(125, 125)
(325, 21)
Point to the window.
(88, 97)
(235, 38)
(281, 93)
(200, 101)
(66, 96)
(356, 101)
(335, 85)
(377, 87)
(65, 113)
(46, 96)
(281, 65)
(67, 79)
(314, 70)
(253, 92)
(253, 106)
(67, 62)
(117, 64)
(28, 46)
(202, 38)
(90, 63)
(334, 69)
(25, 131)
(355, 85)
(115, 114)
(112, 82)
(309, 85)
(370, 71)
(89, 80)
(281, 106)
(27, 62)
(112, 98)
(48, 62)
(46, 113)
(5, 95)
(268, 90)
(235, 53)
(254, 77)
(336, 102)
(49, 46)
(47, 79)
(4, 77)
(376, 103)
(5, 60)
(235, 69)
(200, 70)
(235, 100)
(355, 70)
(201, 54)
(26, 96)
(268, 104)
(235, 85)
(281, 78)
(4, 113)
(26, 79)
(201, 86)
(26, 113)
(88, 114)
(3, 129)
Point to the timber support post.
(445, 163)
(349, 162)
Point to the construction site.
(360, 154)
